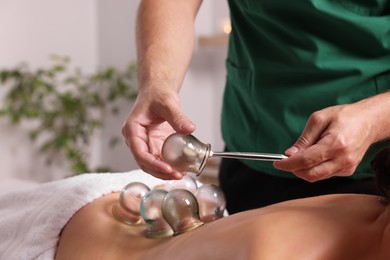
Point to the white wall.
(30, 32)
(201, 94)
(97, 34)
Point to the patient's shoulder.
(326, 227)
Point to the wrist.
(157, 76)
(376, 110)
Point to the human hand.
(155, 115)
(333, 143)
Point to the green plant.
(65, 106)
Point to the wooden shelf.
(220, 40)
(210, 171)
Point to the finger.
(151, 163)
(320, 172)
(174, 176)
(303, 160)
(159, 169)
(142, 155)
(179, 122)
(331, 168)
(125, 129)
(310, 135)
(140, 150)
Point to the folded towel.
(32, 219)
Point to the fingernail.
(276, 165)
(292, 150)
(177, 175)
(186, 126)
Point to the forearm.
(377, 110)
(165, 41)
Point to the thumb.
(310, 135)
(182, 124)
(179, 122)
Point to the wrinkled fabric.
(31, 219)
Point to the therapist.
(306, 78)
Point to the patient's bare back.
(326, 227)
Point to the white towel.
(32, 219)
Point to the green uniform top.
(289, 58)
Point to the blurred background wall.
(96, 34)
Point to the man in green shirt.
(306, 74)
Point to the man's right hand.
(154, 117)
(165, 42)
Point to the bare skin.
(161, 26)
(332, 144)
(336, 138)
(327, 227)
